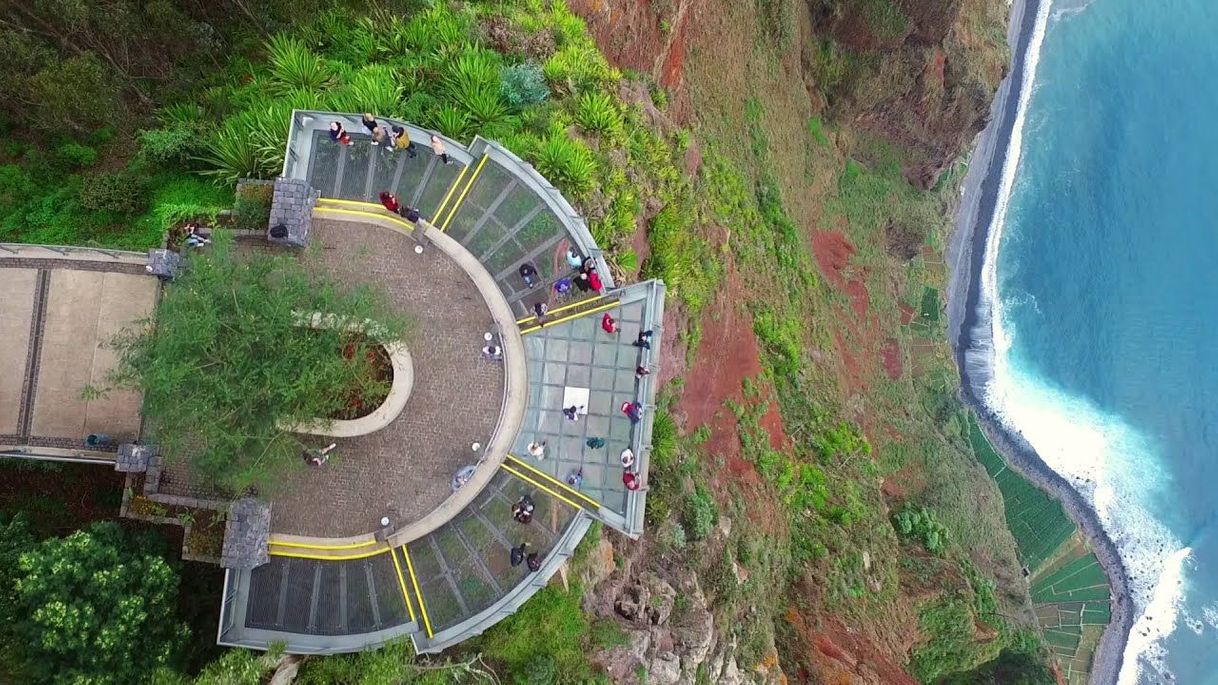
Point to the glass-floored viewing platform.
(442, 581)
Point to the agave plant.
(293, 65)
(433, 29)
(598, 113)
(179, 113)
(474, 69)
(577, 68)
(450, 121)
(566, 162)
(374, 88)
(231, 154)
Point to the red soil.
(860, 299)
(891, 353)
(727, 355)
(833, 251)
(837, 654)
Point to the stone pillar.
(291, 212)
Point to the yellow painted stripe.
(417, 592)
(402, 583)
(354, 212)
(353, 203)
(534, 329)
(448, 196)
(561, 485)
(540, 486)
(457, 205)
(327, 557)
(563, 308)
(305, 545)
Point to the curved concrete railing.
(395, 402)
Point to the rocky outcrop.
(670, 640)
(919, 73)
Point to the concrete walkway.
(56, 320)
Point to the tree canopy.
(91, 608)
(229, 360)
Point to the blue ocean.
(1105, 288)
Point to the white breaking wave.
(1107, 461)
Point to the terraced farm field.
(1068, 586)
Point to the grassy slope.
(835, 179)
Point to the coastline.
(970, 334)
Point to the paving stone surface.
(404, 470)
(84, 310)
(16, 308)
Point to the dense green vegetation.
(97, 606)
(233, 345)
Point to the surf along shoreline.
(971, 334)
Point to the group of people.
(522, 512)
(394, 137)
(586, 279)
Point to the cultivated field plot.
(1069, 589)
(1037, 521)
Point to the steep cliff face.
(918, 72)
(817, 101)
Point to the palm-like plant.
(294, 66)
(450, 121)
(231, 154)
(598, 113)
(566, 162)
(373, 88)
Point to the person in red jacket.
(608, 324)
(390, 201)
(594, 280)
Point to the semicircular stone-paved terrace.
(328, 579)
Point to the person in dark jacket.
(518, 554)
(528, 273)
(338, 134)
(369, 122)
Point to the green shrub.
(599, 113)
(523, 85)
(232, 154)
(94, 607)
(75, 155)
(918, 523)
(375, 88)
(434, 28)
(252, 207)
(293, 65)
(566, 162)
(842, 439)
(577, 68)
(701, 513)
(549, 632)
(663, 440)
(450, 121)
(627, 260)
(113, 191)
(175, 144)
